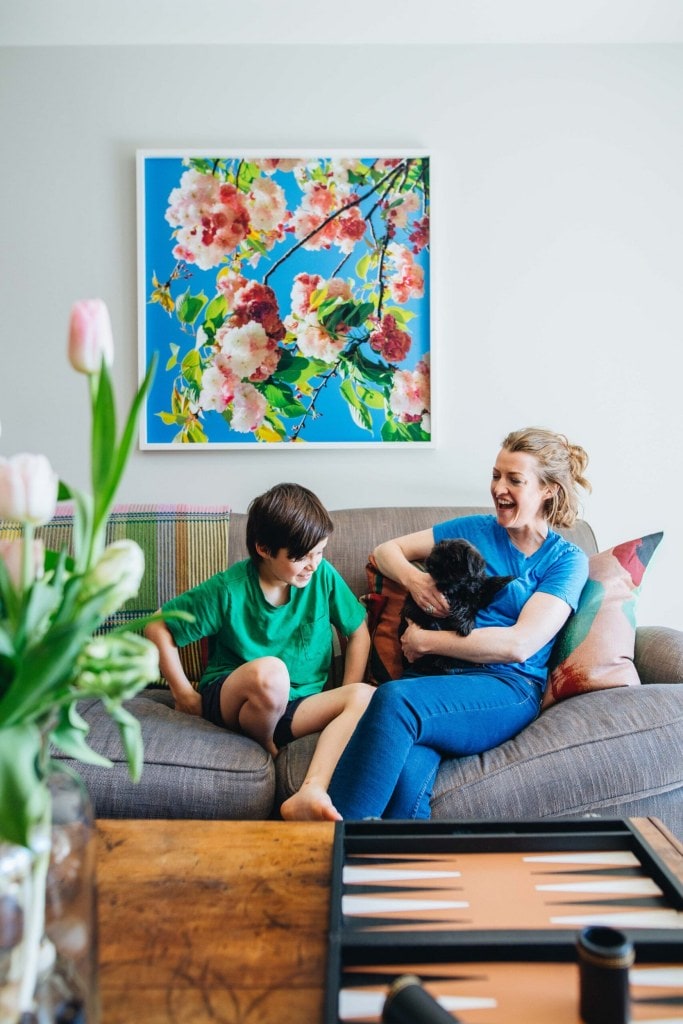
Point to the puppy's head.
(453, 560)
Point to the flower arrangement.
(297, 292)
(51, 607)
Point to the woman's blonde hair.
(561, 465)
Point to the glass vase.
(67, 989)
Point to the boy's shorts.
(211, 711)
(282, 734)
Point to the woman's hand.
(426, 596)
(413, 642)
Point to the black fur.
(459, 572)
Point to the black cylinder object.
(605, 956)
(408, 1002)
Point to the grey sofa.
(614, 753)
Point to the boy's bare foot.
(311, 803)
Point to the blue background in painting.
(161, 176)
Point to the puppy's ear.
(474, 561)
(490, 586)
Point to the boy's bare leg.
(336, 713)
(254, 698)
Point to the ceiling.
(355, 22)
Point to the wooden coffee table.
(220, 922)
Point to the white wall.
(558, 224)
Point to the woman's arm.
(394, 559)
(184, 694)
(357, 651)
(539, 621)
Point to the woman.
(495, 689)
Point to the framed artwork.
(287, 297)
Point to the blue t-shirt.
(558, 567)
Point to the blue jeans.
(390, 763)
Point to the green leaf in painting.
(359, 412)
(281, 397)
(192, 368)
(173, 358)
(216, 310)
(188, 307)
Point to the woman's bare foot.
(311, 803)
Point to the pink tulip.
(28, 489)
(11, 553)
(90, 336)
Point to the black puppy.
(459, 572)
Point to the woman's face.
(517, 492)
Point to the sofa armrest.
(659, 654)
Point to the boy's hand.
(190, 703)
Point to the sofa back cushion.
(358, 530)
(182, 544)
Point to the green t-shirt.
(230, 608)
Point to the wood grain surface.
(204, 921)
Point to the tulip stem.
(35, 924)
(27, 564)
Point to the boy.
(269, 622)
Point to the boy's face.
(280, 568)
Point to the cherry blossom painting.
(287, 298)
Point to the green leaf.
(25, 798)
(359, 412)
(192, 368)
(282, 398)
(69, 736)
(173, 358)
(131, 738)
(363, 265)
(216, 311)
(125, 445)
(103, 431)
(188, 307)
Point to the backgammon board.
(488, 915)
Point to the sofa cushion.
(384, 602)
(191, 768)
(594, 650)
(610, 754)
(183, 545)
(600, 752)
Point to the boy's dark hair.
(287, 516)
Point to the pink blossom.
(218, 388)
(408, 280)
(249, 409)
(386, 165)
(320, 200)
(228, 283)
(269, 165)
(305, 284)
(337, 287)
(302, 289)
(257, 303)
(400, 209)
(90, 336)
(391, 343)
(247, 352)
(315, 343)
(210, 216)
(409, 397)
(419, 236)
(350, 229)
(267, 204)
